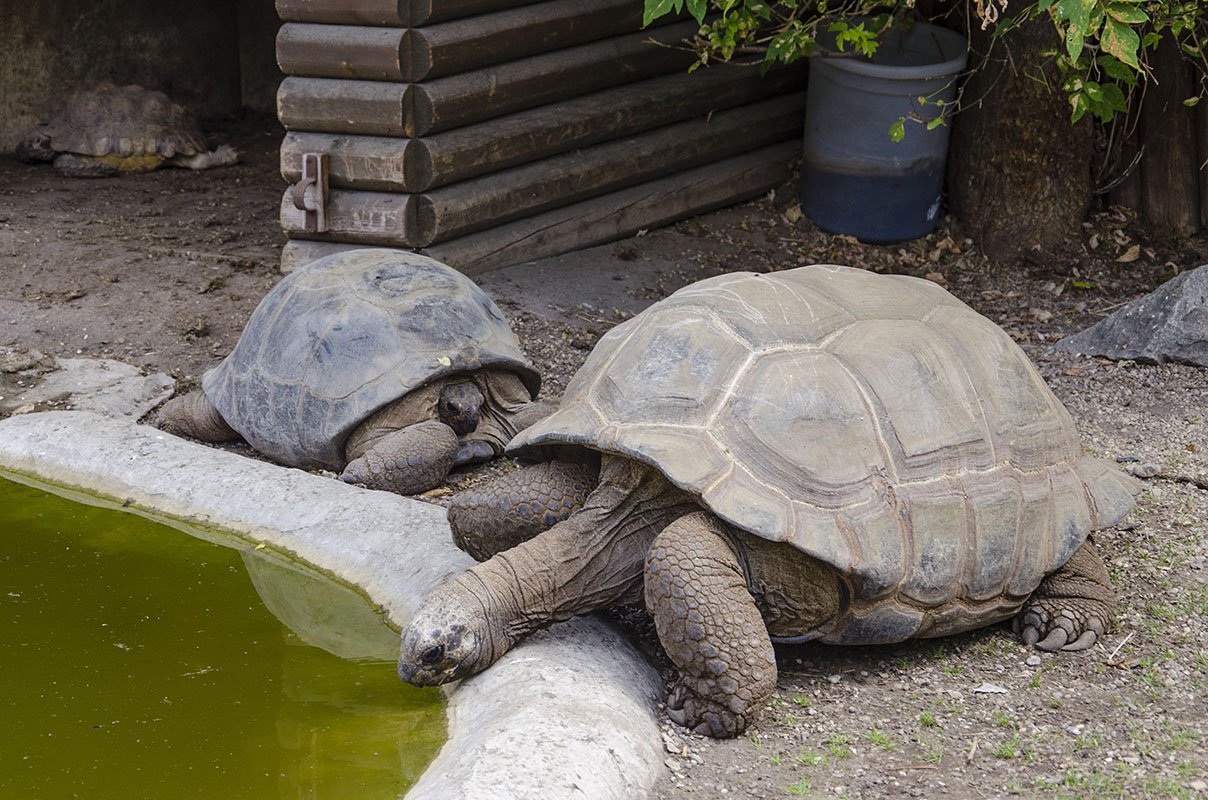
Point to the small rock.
(1143, 470)
(1198, 786)
(835, 678)
(990, 688)
(1033, 661)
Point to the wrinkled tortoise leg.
(410, 460)
(1072, 607)
(710, 627)
(193, 415)
(70, 165)
(498, 515)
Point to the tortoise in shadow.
(817, 454)
(112, 130)
(387, 367)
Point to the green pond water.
(138, 661)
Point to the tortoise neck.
(593, 560)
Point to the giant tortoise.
(388, 366)
(110, 130)
(821, 453)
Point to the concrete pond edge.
(570, 713)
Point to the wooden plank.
(526, 136)
(374, 108)
(300, 252)
(346, 12)
(622, 213)
(355, 162)
(394, 13)
(473, 205)
(358, 217)
(1169, 186)
(340, 51)
(482, 94)
(461, 45)
(1202, 166)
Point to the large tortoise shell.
(874, 422)
(343, 336)
(125, 121)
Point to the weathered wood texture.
(507, 141)
(363, 217)
(474, 150)
(341, 51)
(1169, 186)
(375, 108)
(373, 163)
(621, 213)
(413, 54)
(1202, 161)
(473, 205)
(457, 100)
(396, 13)
(307, 103)
(598, 220)
(448, 48)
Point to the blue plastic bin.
(854, 178)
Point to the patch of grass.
(800, 788)
(952, 669)
(1003, 720)
(880, 739)
(809, 758)
(787, 719)
(802, 701)
(837, 744)
(928, 720)
(756, 742)
(1086, 742)
(1008, 748)
(774, 759)
(1055, 702)
(1034, 683)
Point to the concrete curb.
(568, 714)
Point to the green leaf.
(1074, 39)
(1116, 69)
(897, 131)
(1122, 42)
(1192, 102)
(697, 9)
(1082, 285)
(934, 123)
(658, 8)
(1081, 106)
(444, 361)
(1130, 15)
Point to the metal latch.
(310, 193)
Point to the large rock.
(1168, 324)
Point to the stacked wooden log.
(487, 132)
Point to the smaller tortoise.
(388, 366)
(821, 453)
(111, 130)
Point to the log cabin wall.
(488, 132)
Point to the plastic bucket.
(854, 178)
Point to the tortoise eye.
(433, 655)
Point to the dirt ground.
(162, 270)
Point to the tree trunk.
(1019, 173)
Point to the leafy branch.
(1104, 55)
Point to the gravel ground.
(162, 270)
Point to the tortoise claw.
(1084, 642)
(1054, 641)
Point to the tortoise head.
(459, 406)
(446, 640)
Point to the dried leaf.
(445, 361)
(1130, 255)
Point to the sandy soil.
(162, 270)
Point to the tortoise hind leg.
(1072, 607)
(193, 415)
(498, 515)
(70, 165)
(409, 460)
(709, 625)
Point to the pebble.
(1143, 470)
(1033, 661)
(1198, 786)
(835, 678)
